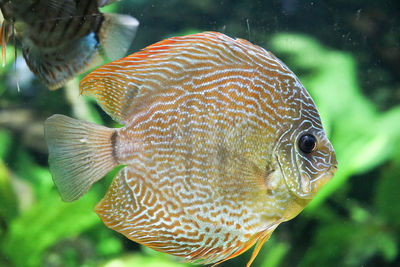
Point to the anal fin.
(135, 207)
(259, 239)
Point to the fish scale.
(211, 144)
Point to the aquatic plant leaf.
(143, 261)
(46, 223)
(275, 254)
(347, 243)
(387, 197)
(26, 168)
(109, 245)
(5, 143)
(8, 200)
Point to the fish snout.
(333, 162)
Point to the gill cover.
(305, 173)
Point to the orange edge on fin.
(15, 48)
(265, 236)
(170, 42)
(3, 43)
(4, 35)
(259, 238)
(242, 250)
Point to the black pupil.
(307, 143)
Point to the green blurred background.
(346, 53)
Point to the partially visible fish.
(62, 38)
(221, 143)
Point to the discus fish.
(221, 143)
(61, 39)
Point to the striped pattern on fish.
(210, 143)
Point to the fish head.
(305, 156)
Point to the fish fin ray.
(252, 175)
(80, 153)
(116, 34)
(5, 31)
(265, 235)
(245, 170)
(241, 250)
(3, 43)
(259, 239)
(122, 86)
(264, 238)
(67, 6)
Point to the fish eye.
(307, 143)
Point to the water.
(347, 56)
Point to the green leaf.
(142, 261)
(46, 223)
(275, 255)
(26, 168)
(108, 244)
(350, 244)
(8, 200)
(387, 196)
(5, 143)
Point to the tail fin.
(116, 35)
(80, 153)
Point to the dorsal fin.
(5, 33)
(122, 85)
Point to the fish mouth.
(334, 166)
(307, 187)
(332, 170)
(322, 180)
(303, 185)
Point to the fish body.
(221, 143)
(61, 39)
